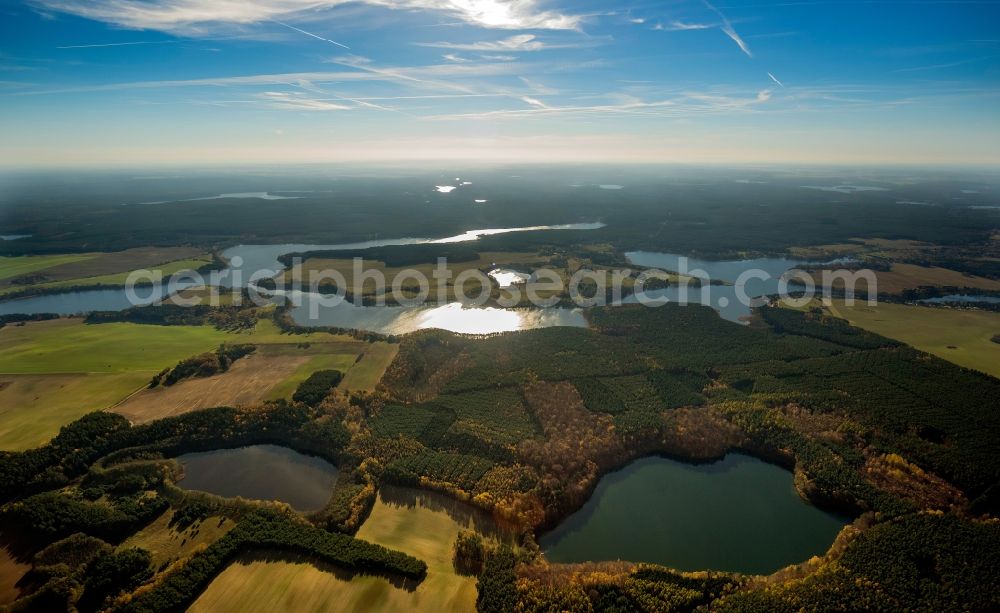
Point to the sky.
(155, 82)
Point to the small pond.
(738, 514)
(261, 472)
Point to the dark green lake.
(738, 514)
(261, 472)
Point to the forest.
(678, 214)
(524, 425)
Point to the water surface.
(452, 317)
(254, 259)
(733, 300)
(249, 263)
(244, 195)
(73, 303)
(738, 514)
(969, 298)
(261, 472)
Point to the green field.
(167, 543)
(69, 346)
(117, 278)
(961, 336)
(256, 584)
(367, 373)
(53, 372)
(11, 267)
(331, 361)
(34, 407)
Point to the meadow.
(50, 272)
(15, 266)
(367, 372)
(421, 527)
(52, 372)
(168, 541)
(961, 336)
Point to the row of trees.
(203, 365)
(273, 531)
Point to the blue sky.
(121, 82)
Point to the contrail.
(138, 42)
(332, 42)
(775, 79)
(727, 28)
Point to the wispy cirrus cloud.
(518, 42)
(295, 102)
(198, 17)
(683, 104)
(680, 26)
(535, 102)
(424, 77)
(727, 28)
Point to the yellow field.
(421, 527)
(909, 276)
(167, 543)
(248, 381)
(961, 336)
(13, 567)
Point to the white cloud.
(518, 42)
(539, 88)
(294, 102)
(731, 33)
(727, 28)
(424, 77)
(684, 105)
(451, 57)
(680, 26)
(197, 17)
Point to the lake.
(726, 299)
(967, 298)
(246, 262)
(738, 514)
(72, 303)
(452, 317)
(261, 472)
(254, 258)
